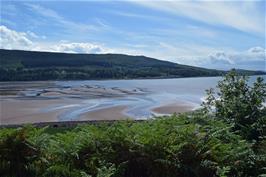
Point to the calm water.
(158, 92)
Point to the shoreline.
(36, 111)
(113, 79)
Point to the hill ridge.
(24, 65)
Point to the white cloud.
(243, 16)
(79, 48)
(71, 47)
(11, 39)
(221, 58)
(253, 58)
(257, 51)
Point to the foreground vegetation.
(28, 66)
(225, 138)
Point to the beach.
(60, 101)
(173, 108)
(55, 101)
(34, 111)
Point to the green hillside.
(29, 65)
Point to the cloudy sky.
(212, 34)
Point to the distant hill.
(17, 65)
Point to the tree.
(240, 104)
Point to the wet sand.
(34, 111)
(112, 113)
(28, 111)
(173, 108)
(25, 102)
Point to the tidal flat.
(48, 101)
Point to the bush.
(184, 145)
(17, 154)
(240, 104)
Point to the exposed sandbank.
(37, 102)
(27, 111)
(112, 113)
(173, 108)
(33, 111)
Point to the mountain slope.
(29, 65)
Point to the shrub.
(240, 104)
(184, 145)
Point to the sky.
(212, 34)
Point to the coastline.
(35, 102)
(33, 111)
(121, 79)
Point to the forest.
(17, 65)
(226, 137)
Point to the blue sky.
(213, 34)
